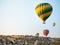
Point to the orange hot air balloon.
(45, 32)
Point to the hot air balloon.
(43, 10)
(45, 32)
(54, 24)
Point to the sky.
(18, 17)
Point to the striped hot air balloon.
(43, 11)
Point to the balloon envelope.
(45, 32)
(43, 11)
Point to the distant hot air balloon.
(54, 24)
(45, 32)
(43, 11)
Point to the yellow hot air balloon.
(43, 10)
